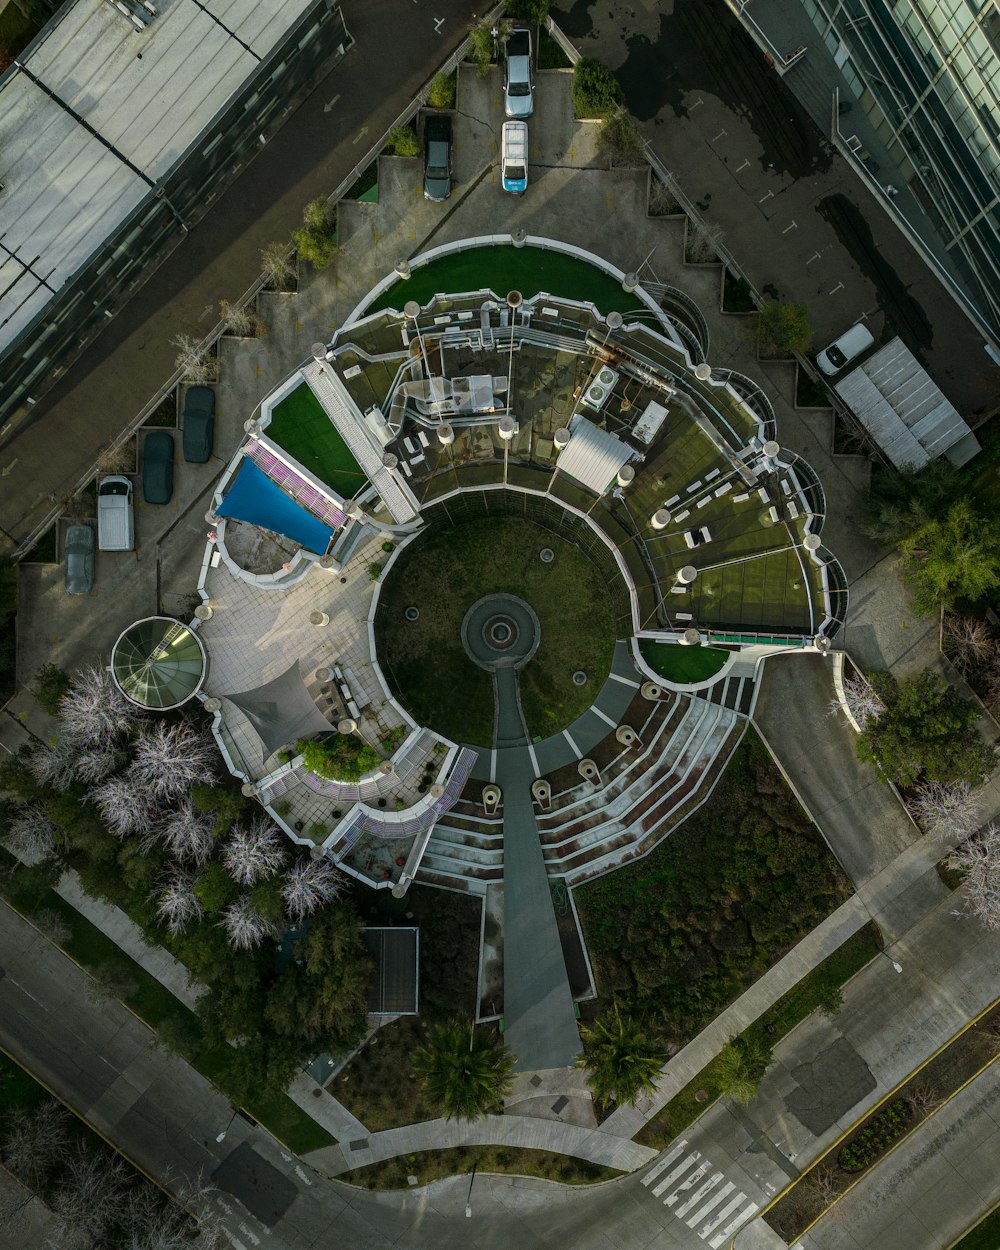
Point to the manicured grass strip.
(300, 425)
(683, 665)
(502, 269)
(817, 989)
(984, 1236)
(157, 1007)
(432, 1165)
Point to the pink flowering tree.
(308, 884)
(254, 851)
(245, 926)
(170, 759)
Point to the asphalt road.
(398, 46)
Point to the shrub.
(890, 1125)
(483, 42)
(402, 141)
(782, 330)
(316, 237)
(596, 91)
(957, 557)
(619, 140)
(442, 92)
(51, 683)
(534, 11)
(341, 757)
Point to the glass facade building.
(927, 74)
(131, 248)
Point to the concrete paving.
(861, 819)
(940, 1180)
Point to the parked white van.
(115, 520)
(514, 157)
(848, 347)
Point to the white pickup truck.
(514, 157)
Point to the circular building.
(158, 663)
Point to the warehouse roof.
(96, 113)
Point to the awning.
(281, 711)
(254, 498)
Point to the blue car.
(158, 467)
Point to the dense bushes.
(891, 1124)
(341, 757)
(677, 936)
(596, 92)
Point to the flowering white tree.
(125, 805)
(170, 759)
(176, 903)
(54, 764)
(308, 884)
(30, 835)
(244, 925)
(94, 711)
(94, 764)
(978, 858)
(187, 834)
(947, 809)
(254, 851)
(864, 703)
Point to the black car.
(198, 421)
(158, 467)
(79, 560)
(437, 158)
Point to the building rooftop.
(94, 116)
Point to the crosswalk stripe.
(690, 1183)
(714, 1201)
(696, 1197)
(732, 1226)
(690, 1161)
(724, 1214)
(663, 1161)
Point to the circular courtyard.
(487, 599)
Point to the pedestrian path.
(710, 1205)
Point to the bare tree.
(34, 1142)
(193, 359)
(112, 982)
(90, 1192)
(978, 857)
(244, 925)
(94, 712)
(969, 643)
(948, 810)
(94, 764)
(278, 270)
(125, 805)
(701, 243)
(53, 926)
(30, 835)
(925, 1098)
(861, 699)
(54, 764)
(170, 759)
(254, 851)
(241, 320)
(308, 884)
(187, 834)
(822, 1183)
(176, 903)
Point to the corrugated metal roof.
(592, 456)
(908, 416)
(393, 987)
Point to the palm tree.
(464, 1072)
(622, 1060)
(739, 1068)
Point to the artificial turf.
(300, 425)
(684, 665)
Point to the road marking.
(26, 994)
(687, 1184)
(534, 760)
(302, 1176)
(814, 256)
(329, 105)
(625, 681)
(730, 1230)
(769, 196)
(248, 1233)
(576, 750)
(695, 105)
(360, 135)
(10, 467)
(700, 1193)
(677, 1172)
(604, 717)
(724, 1192)
(663, 1161)
(724, 1214)
(719, 136)
(793, 226)
(438, 23)
(838, 287)
(743, 166)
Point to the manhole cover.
(579, 678)
(412, 614)
(546, 555)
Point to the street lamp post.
(220, 1137)
(895, 963)
(468, 1199)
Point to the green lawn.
(679, 935)
(442, 573)
(683, 665)
(302, 428)
(154, 1004)
(502, 269)
(817, 989)
(985, 1235)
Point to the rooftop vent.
(597, 393)
(139, 12)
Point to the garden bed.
(432, 1165)
(885, 1126)
(679, 935)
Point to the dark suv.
(437, 158)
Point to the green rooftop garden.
(508, 268)
(442, 574)
(684, 665)
(300, 425)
